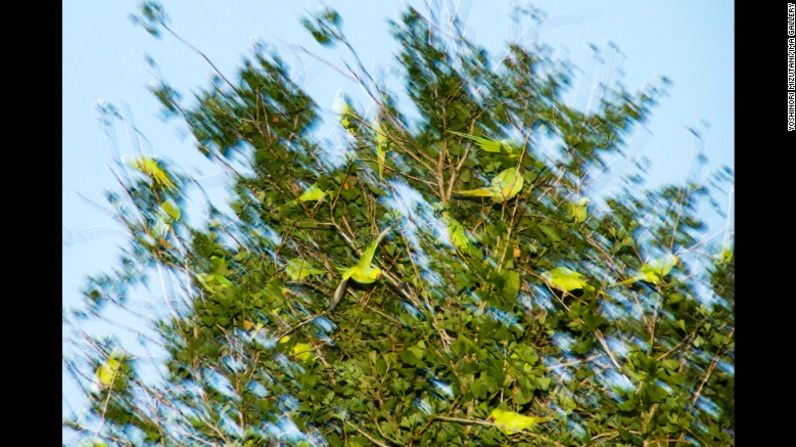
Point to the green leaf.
(655, 393)
(564, 279)
(511, 285)
(214, 281)
(297, 269)
(551, 233)
(543, 383)
(655, 271)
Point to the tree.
(501, 306)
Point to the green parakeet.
(302, 351)
(726, 255)
(505, 147)
(362, 272)
(653, 272)
(108, 371)
(348, 116)
(564, 279)
(311, 194)
(503, 187)
(578, 210)
(510, 422)
(170, 210)
(382, 144)
(150, 167)
(168, 215)
(456, 233)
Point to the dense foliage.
(527, 315)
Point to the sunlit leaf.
(564, 279)
(654, 272)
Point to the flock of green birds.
(503, 187)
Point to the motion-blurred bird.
(150, 167)
(347, 115)
(505, 146)
(382, 144)
(504, 186)
(362, 272)
(510, 422)
(654, 271)
(456, 233)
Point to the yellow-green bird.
(107, 373)
(654, 271)
(348, 116)
(456, 233)
(505, 146)
(510, 422)
(382, 144)
(312, 194)
(362, 272)
(565, 280)
(578, 210)
(150, 167)
(504, 186)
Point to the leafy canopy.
(500, 317)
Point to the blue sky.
(103, 52)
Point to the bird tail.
(484, 143)
(468, 136)
(338, 293)
(630, 280)
(480, 192)
(381, 154)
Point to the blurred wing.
(367, 256)
(150, 168)
(484, 143)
